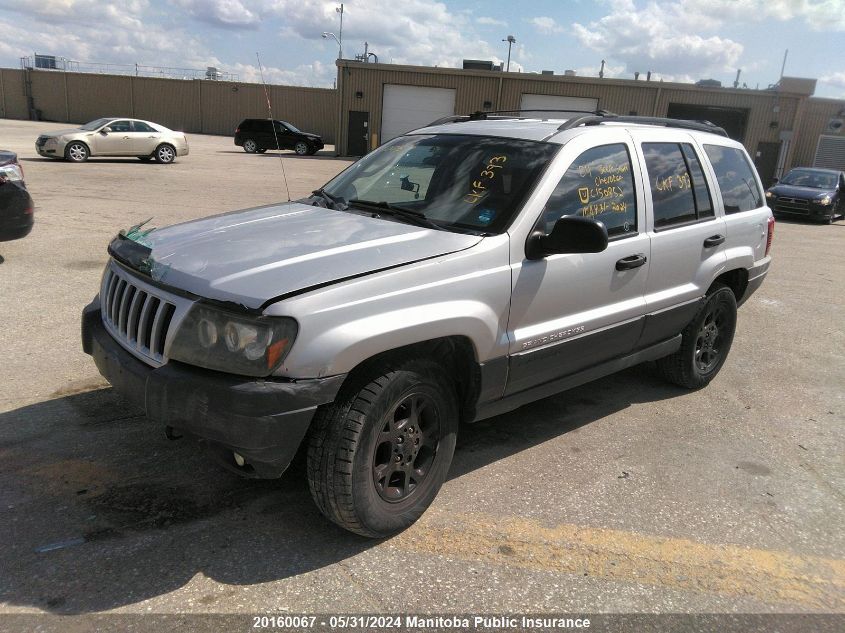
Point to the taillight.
(237, 130)
(771, 234)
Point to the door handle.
(713, 240)
(632, 261)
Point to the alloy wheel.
(406, 447)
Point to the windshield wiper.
(415, 217)
(333, 202)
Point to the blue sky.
(678, 40)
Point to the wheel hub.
(406, 448)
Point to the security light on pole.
(511, 40)
(327, 35)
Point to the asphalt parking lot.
(625, 495)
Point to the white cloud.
(416, 32)
(546, 25)
(125, 15)
(491, 21)
(819, 15)
(315, 74)
(836, 80)
(225, 13)
(642, 41)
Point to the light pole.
(340, 41)
(511, 40)
(327, 35)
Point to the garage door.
(830, 152)
(550, 102)
(410, 107)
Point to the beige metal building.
(193, 105)
(780, 128)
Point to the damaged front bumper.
(262, 420)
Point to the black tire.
(165, 154)
(378, 455)
(302, 148)
(77, 152)
(250, 146)
(706, 342)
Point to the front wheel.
(165, 154)
(301, 148)
(378, 455)
(77, 152)
(705, 344)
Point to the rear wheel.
(378, 455)
(77, 152)
(165, 154)
(250, 146)
(301, 148)
(705, 344)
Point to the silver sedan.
(114, 137)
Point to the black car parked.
(813, 193)
(257, 135)
(15, 202)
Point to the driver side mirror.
(105, 130)
(570, 234)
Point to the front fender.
(462, 294)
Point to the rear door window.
(678, 190)
(597, 185)
(736, 179)
(140, 126)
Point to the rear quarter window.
(736, 178)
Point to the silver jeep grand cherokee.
(455, 273)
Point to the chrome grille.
(792, 205)
(136, 315)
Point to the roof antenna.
(273, 123)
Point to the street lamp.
(511, 40)
(327, 35)
(340, 41)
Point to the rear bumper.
(262, 420)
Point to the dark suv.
(813, 193)
(257, 135)
(15, 202)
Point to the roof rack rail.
(598, 119)
(478, 115)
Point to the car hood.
(67, 132)
(805, 193)
(255, 256)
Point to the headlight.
(234, 343)
(824, 200)
(770, 195)
(11, 172)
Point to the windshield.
(469, 182)
(810, 178)
(94, 125)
